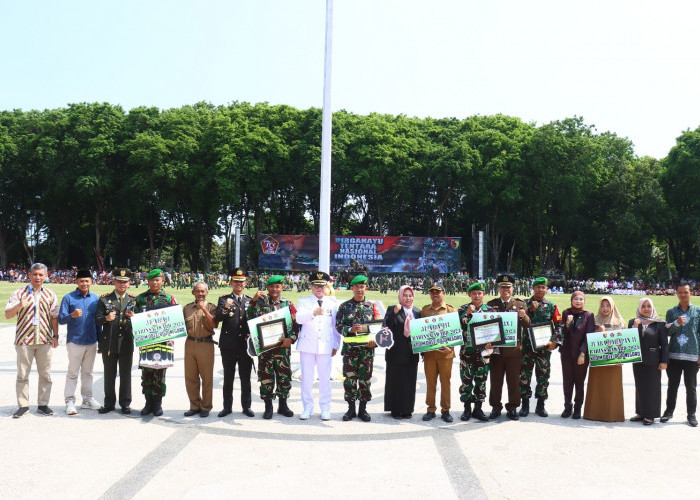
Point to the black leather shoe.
(267, 414)
(157, 406)
(224, 412)
(362, 412)
(126, 410)
(20, 411)
(648, 421)
(479, 414)
(45, 410)
(283, 409)
(525, 408)
(464, 417)
(396, 415)
(577, 414)
(191, 413)
(105, 409)
(540, 408)
(407, 416)
(148, 408)
(447, 417)
(636, 418)
(566, 413)
(668, 415)
(692, 421)
(203, 414)
(351, 413)
(248, 412)
(512, 414)
(429, 416)
(494, 414)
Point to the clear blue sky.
(630, 67)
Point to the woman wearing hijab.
(401, 363)
(574, 359)
(653, 339)
(604, 398)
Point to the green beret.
(540, 281)
(155, 273)
(477, 286)
(277, 278)
(359, 279)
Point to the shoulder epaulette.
(131, 295)
(105, 295)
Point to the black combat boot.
(350, 414)
(540, 408)
(267, 414)
(525, 408)
(283, 409)
(149, 405)
(467, 412)
(364, 416)
(157, 408)
(479, 414)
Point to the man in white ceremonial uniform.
(318, 342)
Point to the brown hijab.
(612, 321)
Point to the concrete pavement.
(116, 456)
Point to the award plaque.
(271, 333)
(540, 334)
(487, 332)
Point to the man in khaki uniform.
(199, 351)
(439, 362)
(507, 362)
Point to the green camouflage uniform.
(539, 360)
(358, 360)
(472, 369)
(274, 364)
(153, 379)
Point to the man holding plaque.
(231, 313)
(358, 349)
(318, 342)
(199, 351)
(539, 310)
(438, 363)
(473, 369)
(273, 365)
(116, 342)
(506, 360)
(154, 359)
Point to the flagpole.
(324, 236)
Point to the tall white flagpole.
(324, 236)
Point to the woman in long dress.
(401, 363)
(653, 338)
(604, 397)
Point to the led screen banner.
(380, 254)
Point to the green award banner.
(510, 325)
(158, 325)
(614, 347)
(435, 332)
(270, 318)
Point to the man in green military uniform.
(155, 359)
(473, 368)
(116, 342)
(540, 310)
(274, 367)
(358, 348)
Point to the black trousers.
(123, 357)
(230, 358)
(689, 369)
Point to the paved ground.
(116, 456)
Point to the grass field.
(626, 304)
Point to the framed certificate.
(540, 334)
(271, 333)
(485, 332)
